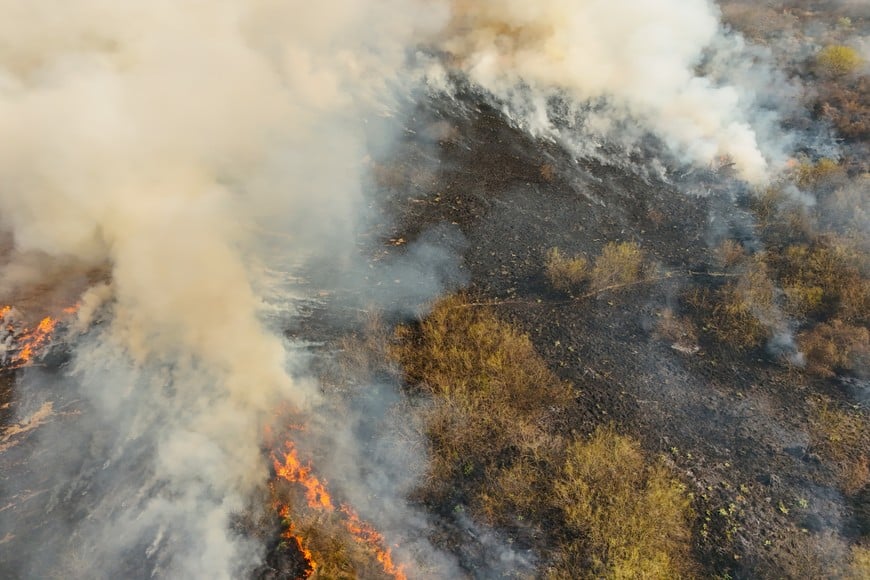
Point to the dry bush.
(492, 393)
(847, 106)
(564, 273)
(758, 22)
(842, 437)
(848, 210)
(548, 172)
(633, 518)
(810, 175)
(729, 253)
(619, 263)
(766, 206)
(837, 60)
(834, 347)
(824, 279)
(859, 567)
(735, 313)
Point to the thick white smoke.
(641, 57)
(160, 137)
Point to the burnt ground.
(734, 425)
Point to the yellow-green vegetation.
(566, 273)
(837, 60)
(632, 516)
(619, 263)
(834, 347)
(497, 448)
(843, 437)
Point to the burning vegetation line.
(292, 469)
(24, 345)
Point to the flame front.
(35, 340)
(291, 536)
(293, 470)
(28, 343)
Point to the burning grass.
(331, 537)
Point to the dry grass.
(565, 273)
(843, 437)
(619, 263)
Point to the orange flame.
(290, 535)
(30, 342)
(292, 470)
(365, 533)
(317, 496)
(35, 340)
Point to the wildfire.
(293, 470)
(35, 340)
(27, 343)
(290, 535)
